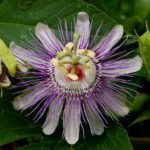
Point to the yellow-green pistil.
(84, 56)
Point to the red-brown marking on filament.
(79, 72)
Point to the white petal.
(95, 123)
(25, 99)
(82, 27)
(18, 51)
(47, 37)
(23, 54)
(51, 124)
(21, 68)
(116, 105)
(110, 40)
(72, 123)
(15, 49)
(124, 66)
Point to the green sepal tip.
(7, 58)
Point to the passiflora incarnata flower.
(74, 77)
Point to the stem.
(73, 69)
(76, 37)
(142, 140)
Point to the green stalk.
(76, 37)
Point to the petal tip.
(83, 16)
(99, 131)
(139, 60)
(125, 111)
(82, 13)
(47, 131)
(12, 47)
(39, 24)
(40, 27)
(72, 141)
(119, 28)
(16, 105)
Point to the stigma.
(72, 62)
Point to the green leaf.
(13, 125)
(118, 9)
(113, 8)
(15, 32)
(33, 146)
(63, 145)
(143, 117)
(130, 23)
(113, 138)
(24, 4)
(17, 25)
(143, 73)
(7, 58)
(46, 144)
(142, 8)
(144, 44)
(139, 101)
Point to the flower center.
(78, 60)
(79, 72)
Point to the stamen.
(68, 48)
(86, 52)
(88, 68)
(61, 55)
(59, 66)
(74, 61)
(72, 76)
(55, 62)
(86, 59)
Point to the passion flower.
(74, 77)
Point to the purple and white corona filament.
(74, 78)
